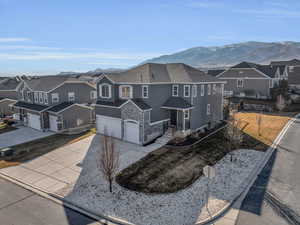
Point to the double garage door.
(53, 123)
(113, 127)
(34, 121)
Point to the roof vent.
(152, 75)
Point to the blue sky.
(48, 36)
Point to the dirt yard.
(169, 170)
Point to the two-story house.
(251, 80)
(55, 103)
(138, 105)
(8, 94)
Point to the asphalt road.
(274, 199)
(19, 206)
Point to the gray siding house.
(140, 104)
(251, 80)
(55, 103)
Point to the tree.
(280, 103)
(108, 160)
(233, 135)
(281, 88)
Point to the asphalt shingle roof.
(117, 103)
(141, 104)
(160, 73)
(214, 72)
(293, 62)
(294, 77)
(177, 102)
(30, 106)
(9, 84)
(61, 106)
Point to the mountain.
(228, 55)
(92, 72)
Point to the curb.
(252, 177)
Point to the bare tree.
(280, 103)
(233, 135)
(108, 160)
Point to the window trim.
(175, 86)
(194, 90)
(28, 96)
(36, 97)
(73, 95)
(186, 116)
(147, 88)
(109, 90)
(46, 98)
(202, 90)
(271, 83)
(53, 97)
(237, 83)
(189, 92)
(208, 89)
(130, 91)
(93, 95)
(208, 109)
(214, 89)
(41, 98)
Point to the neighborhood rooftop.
(9, 84)
(161, 73)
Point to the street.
(19, 206)
(274, 197)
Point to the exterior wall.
(108, 111)
(4, 107)
(9, 94)
(241, 73)
(71, 115)
(114, 91)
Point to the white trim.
(104, 76)
(165, 107)
(147, 87)
(245, 78)
(242, 69)
(208, 109)
(237, 83)
(194, 91)
(130, 91)
(75, 104)
(189, 92)
(71, 82)
(177, 86)
(208, 89)
(109, 90)
(71, 95)
(157, 122)
(188, 116)
(7, 99)
(52, 97)
(202, 91)
(159, 83)
(41, 97)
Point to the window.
(71, 96)
(271, 83)
(93, 95)
(105, 91)
(28, 96)
(55, 97)
(186, 90)
(22, 95)
(208, 109)
(208, 89)
(214, 89)
(145, 90)
(125, 91)
(240, 83)
(46, 98)
(186, 114)
(175, 90)
(36, 97)
(291, 69)
(194, 91)
(41, 97)
(202, 90)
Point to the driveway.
(21, 135)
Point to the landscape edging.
(253, 175)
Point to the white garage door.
(34, 121)
(53, 123)
(109, 125)
(131, 131)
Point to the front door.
(173, 117)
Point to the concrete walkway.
(21, 135)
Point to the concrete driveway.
(21, 135)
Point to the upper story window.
(55, 97)
(175, 90)
(208, 109)
(105, 91)
(93, 95)
(41, 97)
(240, 83)
(291, 69)
(202, 90)
(186, 114)
(71, 96)
(145, 90)
(214, 89)
(271, 83)
(194, 90)
(22, 95)
(36, 97)
(46, 98)
(208, 89)
(186, 90)
(28, 96)
(125, 91)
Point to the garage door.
(109, 125)
(34, 121)
(53, 123)
(131, 131)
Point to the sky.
(49, 36)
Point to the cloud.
(204, 4)
(27, 47)
(274, 13)
(14, 39)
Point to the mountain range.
(228, 55)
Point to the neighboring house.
(8, 94)
(252, 80)
(140, 104)
(55, 103)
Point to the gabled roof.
(141, 104)
(161, 73)
(117, 103)
(176, 103)
(214, 72)
(9, 84)
(34, 107)
(60, 107)
(244, 65)
(293, 62)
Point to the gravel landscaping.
(182, 207)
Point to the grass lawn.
(167, 170)
(36, 148)
(5, 128)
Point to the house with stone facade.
(142, 103)
(55, 103)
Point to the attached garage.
(53, 123)
(109, 125)
(34, 121)
(132, 131)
